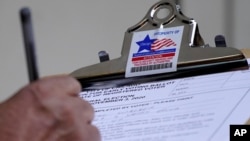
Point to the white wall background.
(69, 33)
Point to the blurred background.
(70, 33)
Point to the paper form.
(197, 108)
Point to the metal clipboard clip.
(193, 59)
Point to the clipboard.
(194, 57)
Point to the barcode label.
(153, 51)
(151, 67)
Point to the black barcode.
(151, 67)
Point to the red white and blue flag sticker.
(160, 43)
(154, 51)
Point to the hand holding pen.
(47, 109)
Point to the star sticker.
(145, 43)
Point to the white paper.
(190, 109)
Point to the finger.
(87, 133)
(83, 109)
(93, 133)
(75, 109)
(56, 86)
(70, 109)
(83, 133)
(73, 122)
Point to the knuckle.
(87, 105)
(94, 134)
(88, 110)
(40, 89)
(66, 111)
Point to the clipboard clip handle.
(193, 58)
(168, 13)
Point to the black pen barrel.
(29, 44)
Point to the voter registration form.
(199, 108)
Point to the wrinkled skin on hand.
(48, 110)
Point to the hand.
(48, 110)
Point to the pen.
(29, 44)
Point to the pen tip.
(25, 13)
